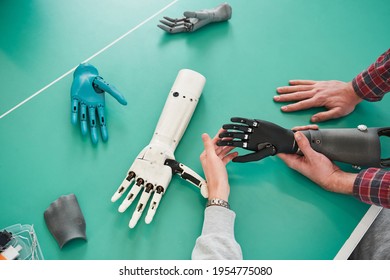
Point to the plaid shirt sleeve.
(373, 83)
(372, 186)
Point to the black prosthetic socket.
(357, 146)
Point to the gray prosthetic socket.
(357, 146)
(65, 220)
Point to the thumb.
(304, 145)
(198, 14)
(326, 115)
(208, 144)
(110, 89)
(189, 14)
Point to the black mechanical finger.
(239, 127)
(269, 150)
(237, 135)
(232, 143)
(249, 122)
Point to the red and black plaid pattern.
(373, 83)
(372, 186)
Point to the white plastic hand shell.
(148, 170)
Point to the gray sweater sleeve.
(217, 241)
(375, 244)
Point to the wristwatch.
(217, 202)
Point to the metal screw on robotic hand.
(362, 127)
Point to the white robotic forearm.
(153, 167)
(179, 107)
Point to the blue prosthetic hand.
(87, 94)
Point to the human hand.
(318, 167)
(214, 160)
(339, 98)
(149, 172)
(87, 92)
(192, 21)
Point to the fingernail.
(298, 136)
(276, 97)
(284, 108)
(314, 119)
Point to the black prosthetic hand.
(357, 146)
(262, 137)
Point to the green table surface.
(280, 214)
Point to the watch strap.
(218, 202)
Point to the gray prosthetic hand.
(357, 146)
(192, 21)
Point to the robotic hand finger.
(178, 25)
(87, 99)
(150, 189)
(194, 20)
(189, 175)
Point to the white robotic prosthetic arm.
(153, 168)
